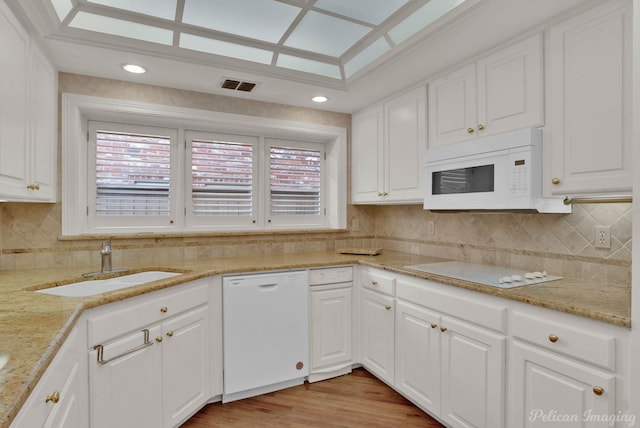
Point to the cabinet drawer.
(474, 307)
(332, 275)
(378, 281)
(119, 318)
(565, 339)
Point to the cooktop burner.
(495, 276)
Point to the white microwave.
(499, 172)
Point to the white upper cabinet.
(14, 61)
(389, 141)
(367, 152)
(27, 116)
(589, 103)
(498, 93)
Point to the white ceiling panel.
(421, 19)
(371, 11)
(119, 27)
(165, 9)
(62, 7)
(256, 19)
(325, 34)
(218, 47)
(366, 57)
(309, 66)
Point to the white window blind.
(295, 181)
(222, 178)
(132, 174)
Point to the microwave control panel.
(520, 178)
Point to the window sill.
(147, 235)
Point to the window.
(295, 183)
(131, 167)
(130, 175)
(223, 180)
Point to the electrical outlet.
(603, 237)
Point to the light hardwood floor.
(354, 400)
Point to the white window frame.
(77, 110)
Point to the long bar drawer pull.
(100, 349)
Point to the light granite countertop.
(34, 325)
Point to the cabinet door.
(473, 365)
(127, 391)
(543, 384)
(405, 121)
(14, 136)
(510, 89)
(60, 398)
(377, 338)
(330, 327)
(417, 359)
(589, 103)
(452, 107)
(43, 128)
(186, 365)
(367, 156)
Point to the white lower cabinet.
(549, 390)
(331, 328)
(378, 335)
(418, 358)
(330, 325)
(127, 391)
(60, 398)
(473, 367)
(566, 371)
(186, 365)
(453, 369)
(159, 373)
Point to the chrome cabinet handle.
(100, 349)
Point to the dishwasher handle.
(268, 286)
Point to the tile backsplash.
(561, 244)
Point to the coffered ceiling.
(288, 48)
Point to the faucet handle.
(106, 246)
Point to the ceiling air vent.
(237, 85)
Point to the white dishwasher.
(265, 332)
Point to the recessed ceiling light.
(319, 99)
(136, 69)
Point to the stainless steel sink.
(97, 286)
